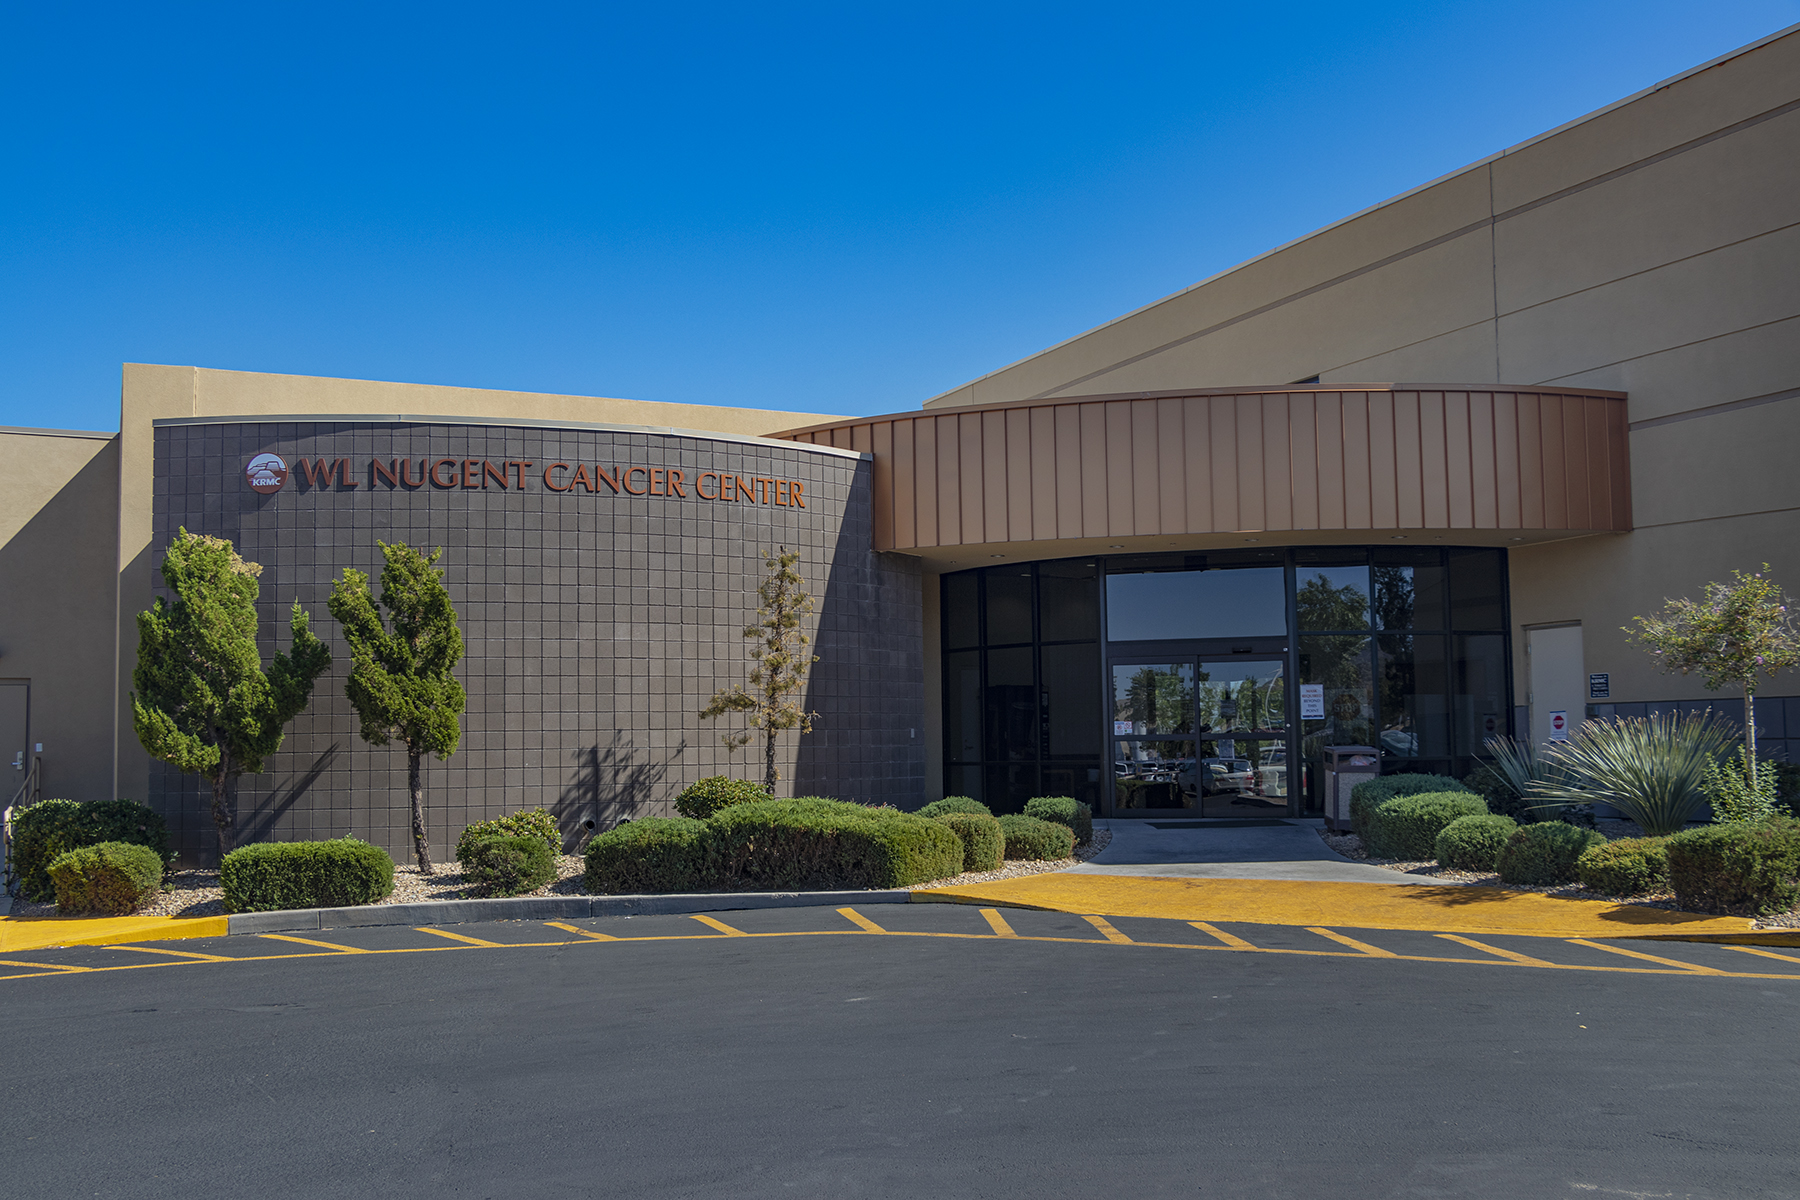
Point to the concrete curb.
(544, 908)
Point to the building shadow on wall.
(612, 783)
(259, 825)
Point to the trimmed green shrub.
(982, 842)
(1627, 867)
(510, 865)
(277, 875)
(1406, 827)
(956, 804)
(1371, 794)
(1744, 870)
(816, 843)
(112, 878)
(701, 800)
(1028, 837)
(652, 854)
(1473, 843)
(1502, 799)
(1064, 810)
(1544, 853)
(533, 822)
(44, 831)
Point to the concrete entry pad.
(1231, 849)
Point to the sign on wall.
(1559, 725)
(1600, 685)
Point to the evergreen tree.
(782, 665)
(400, 681)
(201, 700)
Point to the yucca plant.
(1527, 773)
(1651, 769)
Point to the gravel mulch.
(1018, 868)
(1351, 847)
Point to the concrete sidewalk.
(1189, 849)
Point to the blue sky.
(827, 209)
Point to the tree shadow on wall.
(611, 783)
(258, 825)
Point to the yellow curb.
(1339, 905)
(35, 933)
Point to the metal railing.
(29, 789)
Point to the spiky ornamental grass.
(201, 700)
(1651, 769)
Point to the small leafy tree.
(782, 665)
(400, 683)
(201, 700)
(1741, 629)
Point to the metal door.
(15, 734)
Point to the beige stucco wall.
(1651, 248)
(152, 393)
(59, 512)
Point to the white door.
(14, 729)
(1557, 678)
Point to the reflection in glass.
(1079, 780)
(1408, 589)
(962, 702)
(1071, 701)
(1008, 605)
(1415, 687)
(1341, 668)
(1011, 705)
(1331, 597)
(1167, 605)
(1238, 777)
(1149, 774)
(1477, 590)
(1068, 601)
(1153, 699)
(1479, 672)
(961, 619)
(1236, 695)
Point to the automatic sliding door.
(1153, 735)
(1242, 765)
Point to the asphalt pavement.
(916, 1051)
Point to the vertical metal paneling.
(1043, 474)
(1196, 432)
(1409, 486)
(1618, 434)
(1330, 426)
(1093, 450)
(1251, 509)
(1068, 471)
(1482, 472)
(1018, 474)
(1224, 462)
(1434, 469)
(1555, 457)
(1358, 461)
(964, 465)
(1278, 464)
(1531, 460)
(996, 480)
(1459, 462)
(928, 495)
(1171, 468)
(1384, 495)
(1303, 430)
(1145, 484)
(1119, 517)
(906, 485)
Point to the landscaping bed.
(1018, 868)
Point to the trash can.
(1345, 767)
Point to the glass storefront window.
(1409, 589)
(1151, 699)
(1341, 670)
(1176, 605)
(1331, 597)
(961, 615)
(1071, 701)
(1011, 705)
(1068, 601)
(1477, 590)
(1480, 675)
(962, 706)
(1414, 696)
(1008, 605)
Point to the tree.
(1742, 628)
(782, 665)
(201, 700)
(400, 683)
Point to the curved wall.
(597, 620)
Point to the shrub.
(278, 875)
(1628, 867)
(817, 843)
(1028, 837)
(705, 798)
(533, 822)
(44, 831)
(982, 842)
(1502, 798)
(1371, 794)
(653, 854)
(1064, 810)
(956, 804)
(1544, 853)
(1745, 870)
(1473, 843)
(112, 878)
(1406, 827)
(1732, 796)
(510, 865)
(1653, 770)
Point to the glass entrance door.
(1241, 769)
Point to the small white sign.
(1559, 725)
(1312, 702)
(1122, 728)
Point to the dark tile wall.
(1777, 718)
(597, 625)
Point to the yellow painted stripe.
(19, 934)
(1112, 935)
(457, 937)
(7, 962)
(586, 933)
(1359, 947)
(176, 953)
(998, 924)
(1765, 953)
(860, 921)
(284, 937)
(1230, 939)
(715, 923)
(1667, 962)
(1508, 955)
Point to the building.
(1159, 565)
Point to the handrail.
(28, 791)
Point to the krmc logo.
(266, 473)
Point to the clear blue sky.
(827, 209)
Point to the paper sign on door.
(1312, 702)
